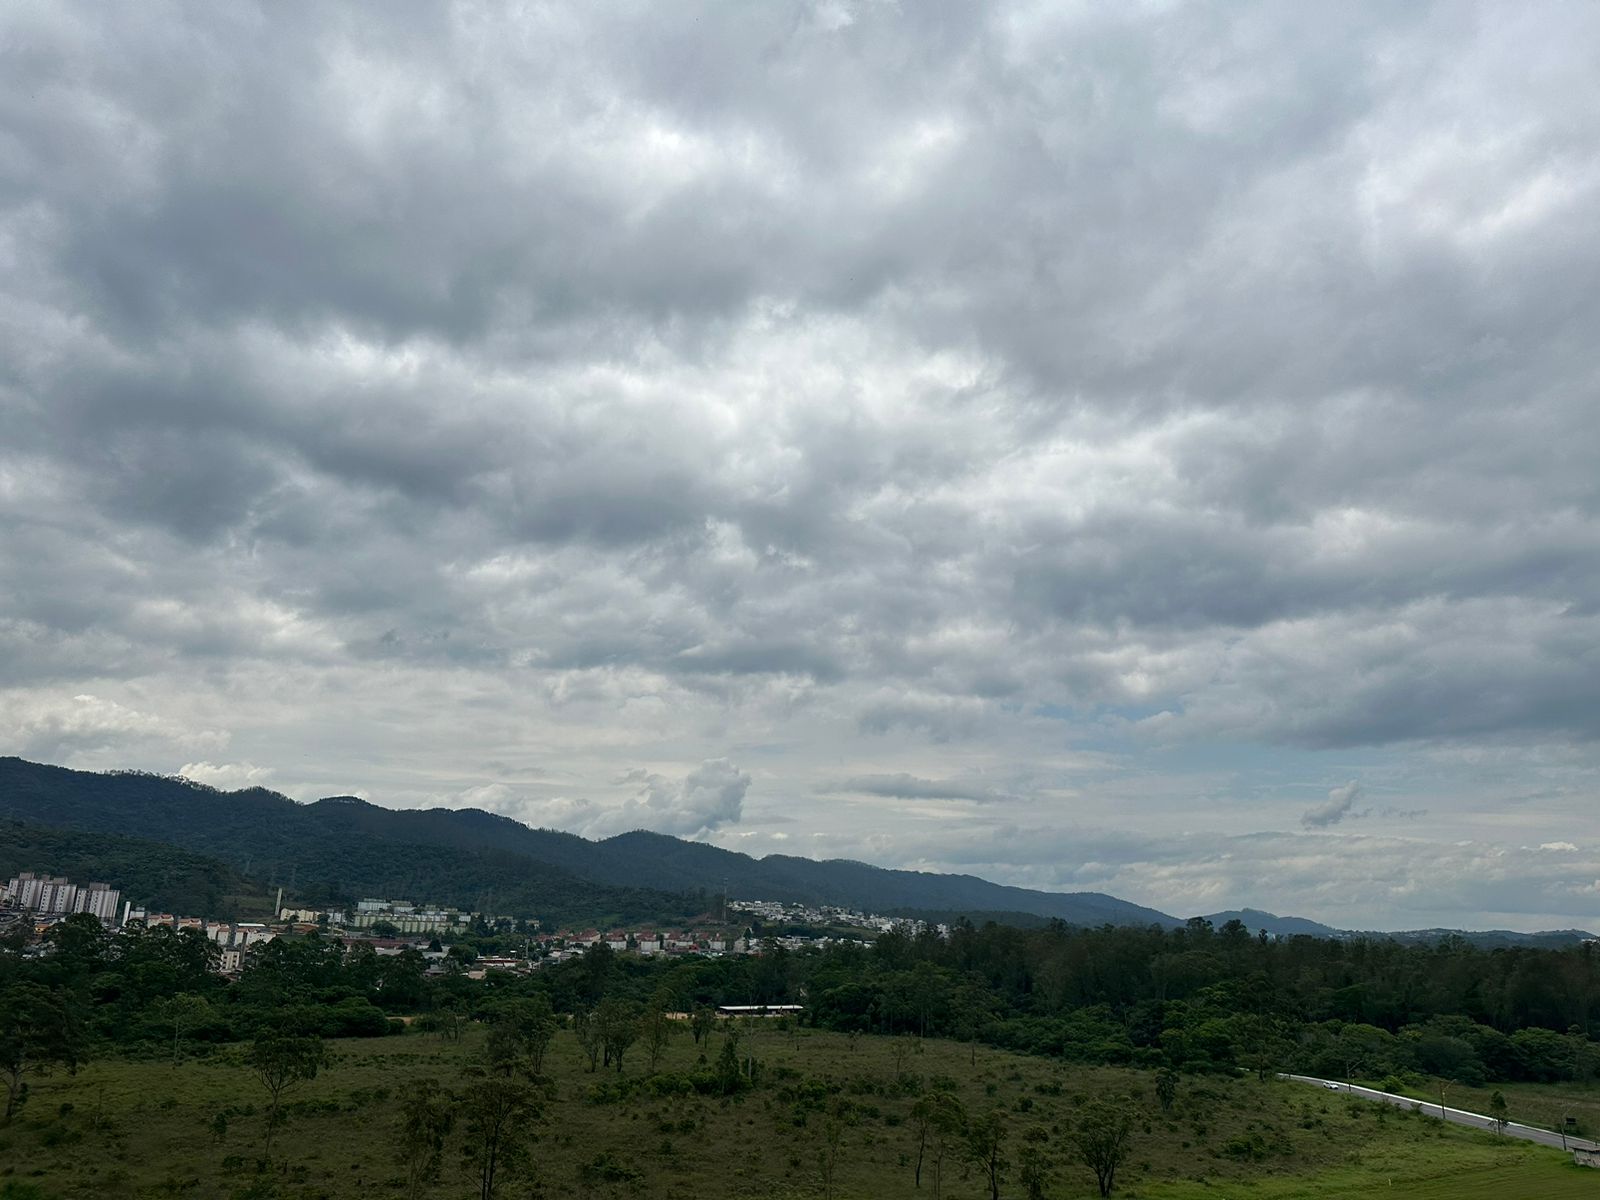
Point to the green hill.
(475, 858)
(325, 853)
(151, 874)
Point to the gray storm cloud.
(409, 399)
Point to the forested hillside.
(346, 843)
(153, 874)
(317, 853)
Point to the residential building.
(408, 917)
(56, 895)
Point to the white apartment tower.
(56, 895)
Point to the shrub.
(604, 1168)
(1246, 1147)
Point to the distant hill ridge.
(326, 851)
(351, 844)
(344, 845)
(1255, 920)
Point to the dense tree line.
(1193, 998)
(1203, 999)
(1190, 999)
(1173, 1002)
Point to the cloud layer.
(1136, 420)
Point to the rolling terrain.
(468, 856)
(611, 1134)
(340, 847)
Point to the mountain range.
(341, 847)
(1256, 921)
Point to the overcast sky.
(1138, 448)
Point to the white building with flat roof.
(57, 896)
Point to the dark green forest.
(322, 872)
(152, 873)
(1194, 999)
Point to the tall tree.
(283, 1062)
(702, 1023)
(520, 1032)
(656, 1026)
(1498, 1111)
(427, 1114)
(39, 1032)
(1033, 1167)
(619, 1028)
(597, 964)
(900, 1050)
(1100, 1136)
(538, 1023)
(986, 1138)
(941, 1125)
(839, 1115)
(586, 1025)
(81, 943)
(1166, 1087)
(1261, 1042)
(185, 1011)
(729, 1076)
(498, 1113)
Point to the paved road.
(1456, 1116)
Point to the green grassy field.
(145, 1129)
(1444, 1170)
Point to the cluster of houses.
(234, 938)
(649, 942)
(783, 912)
(393, 926)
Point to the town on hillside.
(437, 933)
